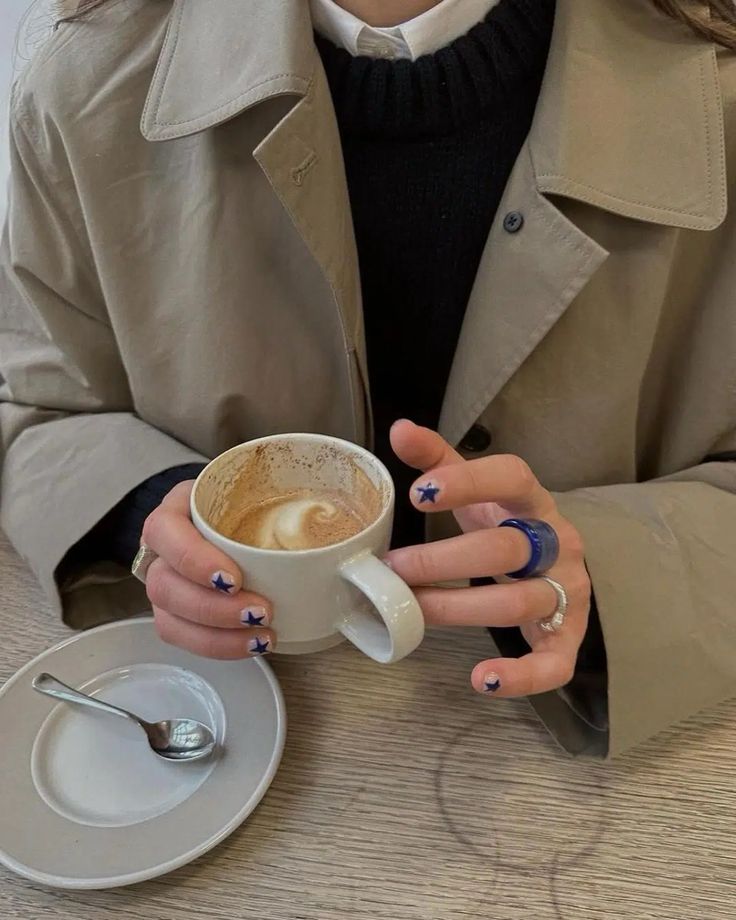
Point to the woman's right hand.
(199, 602)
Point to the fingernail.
(427, 492)
(387, 562)
(254, 616)
(223, 581)
(259, 646)
(491, 683)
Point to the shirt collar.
(423, 34)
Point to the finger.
(421, 448)
(491, 605)
(224, 644)
(169, 532)
(479, 554)
(502, 479)
(536, 672)
(169, 590)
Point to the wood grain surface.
(404, 796)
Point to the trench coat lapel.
(215, 65)
(618, 95)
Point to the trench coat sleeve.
(662, 560)
(71, 444)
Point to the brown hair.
(714, 20)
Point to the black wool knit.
(428, 148)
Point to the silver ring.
(555, 622)
(142, 562)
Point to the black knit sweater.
(428, 148)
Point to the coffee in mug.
(260, 512)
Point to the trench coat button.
(477, 439)
(513, 222)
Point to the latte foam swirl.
(298, 523)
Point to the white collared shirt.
(424, 34)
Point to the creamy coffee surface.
(283, 496)
(297, 520)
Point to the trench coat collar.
(629, 119)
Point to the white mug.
(324, 595)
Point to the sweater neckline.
(479, 75)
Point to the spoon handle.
(52, 686)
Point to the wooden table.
(404, 796)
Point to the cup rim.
(198, 518)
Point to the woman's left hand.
(482, 493)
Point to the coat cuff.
(659, 583)
(59, 480)
(117, 536)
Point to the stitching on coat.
(695, 215)
(299, 172)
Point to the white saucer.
(84, 801)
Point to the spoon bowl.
(171, 739)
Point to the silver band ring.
(554, 623)
(142, 562)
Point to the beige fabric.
(179, 274)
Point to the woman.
(536, 194)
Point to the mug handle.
(402, 629)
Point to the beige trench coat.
(179, 274)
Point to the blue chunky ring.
(544, 543)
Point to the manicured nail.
(223, 581)
(259, 646)
(427, 493)
(491, 683)
(254, 616)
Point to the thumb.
(421, 448)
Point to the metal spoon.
(172, 739)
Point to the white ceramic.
(84, 801)
(320, 596)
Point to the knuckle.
(162, 625)
(572, 541)
(527, 609)
(474, 481)
(185, 561)
(152, 526)
(433, 603)
(156, 584)
(566, 673)
(213, 610)
(424, 566)
(520, 471)
(185, 487)
(513, 543)
(209, 646)
(521, 606)
(585, 588)
(579, 587)
(177, 493)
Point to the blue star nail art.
(259, 646)
(250, 619)
(427, 493)
(492, 683)
(221, 583)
